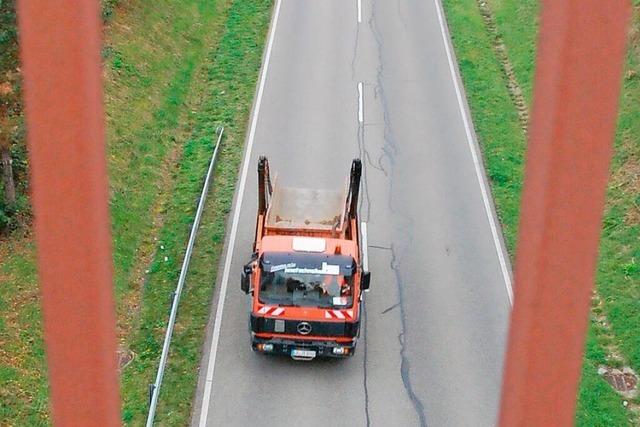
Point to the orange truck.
(309, 269)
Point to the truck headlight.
(265, 347)
(340, 351)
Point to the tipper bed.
(301, 208)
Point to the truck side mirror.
(245, 278)
(365, 281)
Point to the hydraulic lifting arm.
(354, 188)
(264, 185)
(264, 195)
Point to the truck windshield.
(307, 280)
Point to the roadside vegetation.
(174, 71)
(13, 165)
(229, 77)
(614, 335)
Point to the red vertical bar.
(579, 67)
(60, 43)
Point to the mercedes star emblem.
(304, 328)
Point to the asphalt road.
(436, 318)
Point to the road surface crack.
(405, 364)
(403, 235)
(354, 57)
(390, 308)
(384, 248)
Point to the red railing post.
(578, 76)
(60, 45)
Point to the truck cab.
(308, 272)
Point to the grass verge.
(174, 69)
(503, 144)
(231, 75)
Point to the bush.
(12, 133)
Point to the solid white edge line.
(208, 388)
(474, 154)
(360, 103)
(365, 248)
(359, 11)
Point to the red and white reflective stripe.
(338, 314)
(271, 311)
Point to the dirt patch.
(129, 307)
(634, 32)
(5, 277)
(6, 89)
(613, 353)
(125, 357)
(632, 217)
(500, 51)
(626, 178)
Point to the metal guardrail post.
(175, 300)
(579, 67)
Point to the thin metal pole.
(578, 76)
(60, 43)
(155, 388)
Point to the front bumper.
(293, 348)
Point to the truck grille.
(334, 329)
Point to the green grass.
(496, 120)
(175, 69)
(517, 25)
(231, 76)
(598, 405)
(619, 267)
(23, 381)
(502, 142)
(148, 117)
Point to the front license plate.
(303, 353)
